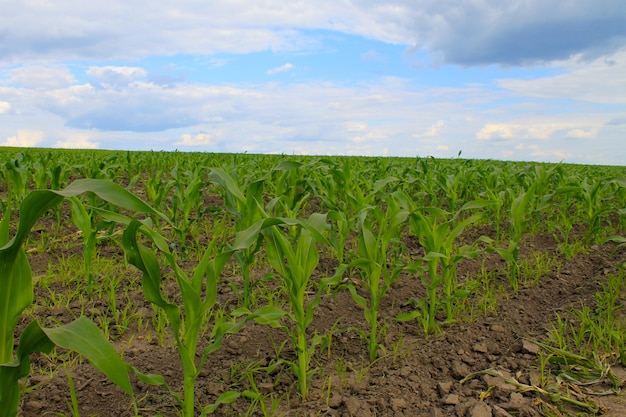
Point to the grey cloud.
(506, 32)
(618, 121)
(536, 42)
(463, 32)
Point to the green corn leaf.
(110, 192)
(269, 315)
(412, 315)
(32, 340)
(222, 178)
(506, 254)
(145, 260)
(221, 329)
(4, 227)
(478, 204)
(16, 294)
(246, 238)
(211, 269)
(80, 217)
(359, 299)
(279, 253)
(307, 256)
(380, 184)
(226, 398)
(368, 244)
(150, 379)
(287, 166)
(84, 337)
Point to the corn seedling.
(246, 209)
(437, 231)
(378, 261)
(294, 258)
(519, 222)
(199, 294)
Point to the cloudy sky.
(541, 80)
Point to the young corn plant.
(294, 256)
(83, 219)
(16, 180)
(16, 294)
(187, 196)
(378, 261)
(519, 222)
(247, 209)
(437, 231)
(291, 188)
(187, 322)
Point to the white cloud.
(41, 77)
(77, 142)
(356, 126)
(115, 77)
(283, 68)
(198, 139)
(582, 133)
(5, 106)
(435, 129)
(25, 139)
(600, 81)
(529, 130)
(492, 130)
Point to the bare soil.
(416, 375)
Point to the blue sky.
(541, 80)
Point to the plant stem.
(303, 358)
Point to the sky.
(531, 80)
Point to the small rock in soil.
(427, 391)
(459, 370)
(529, 347)
(352, 405)
(516, 402)
(480, 409)
(34, 405)
(468, 360)
(499, 383)
(335, 401)
(436, 412)
(451, 399)
(444, 388)
(398, 403)
(405, 372)
(534, 377)
(500, 412)
(480, 347)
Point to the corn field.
(156, 283)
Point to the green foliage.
(16, 294)
(285, 213)
(199, 294)
(292, 253)
(437, 231)
(378, 260)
